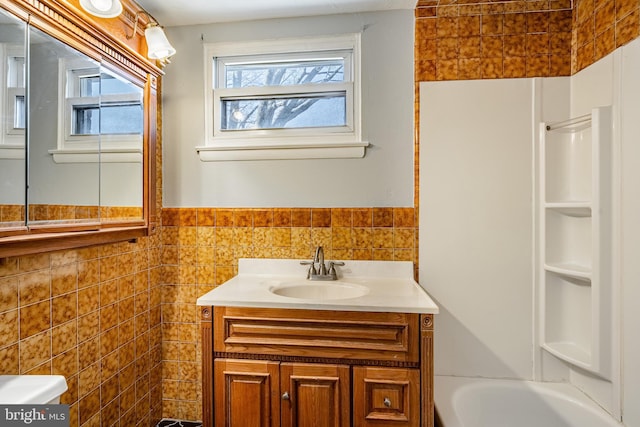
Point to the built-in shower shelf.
(571, 352)
(568, 269)
(574, 236)
(577, 209)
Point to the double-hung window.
(283, 99)
(101, 113)
(13, 110)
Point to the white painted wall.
(12, 181)
(384, 177)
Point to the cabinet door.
(386, 397)
(246, 393)
(315, 395)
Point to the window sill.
(133, 155)
(240, 151)
(11, 151)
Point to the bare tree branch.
(276, 113)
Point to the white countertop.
(386, 286)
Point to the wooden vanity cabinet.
(267, 393)
(314, 368)
(246, 392)
(386, 396)
(314, 395)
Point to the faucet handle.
(312, 268)
(332, 268)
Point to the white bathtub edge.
(445, 388)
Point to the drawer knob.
(285, 395)
(387, 402)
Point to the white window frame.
(109, 148)
(11, 138)
(303, 143)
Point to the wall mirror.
(12, 122)
(57, 192)
(77, 130)
(121, 140)
(85, 138)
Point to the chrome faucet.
(321, 272)
(319, 259)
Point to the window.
(15, 86)
(13, 111)
(105, 105)
(102, 113)
(283, 92)
(283, 99)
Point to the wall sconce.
(158, 46)
(102, 8)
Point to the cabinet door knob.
(285, 395)
(387, 402)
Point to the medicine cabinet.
(77, 130)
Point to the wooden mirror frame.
(106, 41)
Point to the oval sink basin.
(319, 290)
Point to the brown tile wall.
(493, 40)
(201, 248)
(600, 27)
(478, 39)
(92, 315)
(11, 213)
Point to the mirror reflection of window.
(102, 112)
(15, 85)
(19, 119)
(13, 92)
(104, 104)
(12, 121)
(86, 116)
(121, 128)
(58, 193)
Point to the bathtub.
(475, 402)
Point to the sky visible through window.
(284, 110)
(111, 116)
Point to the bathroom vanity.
(278, 350)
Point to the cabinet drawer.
(386, 396)
(317, 333)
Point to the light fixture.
(102, 8)
(158, 46)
